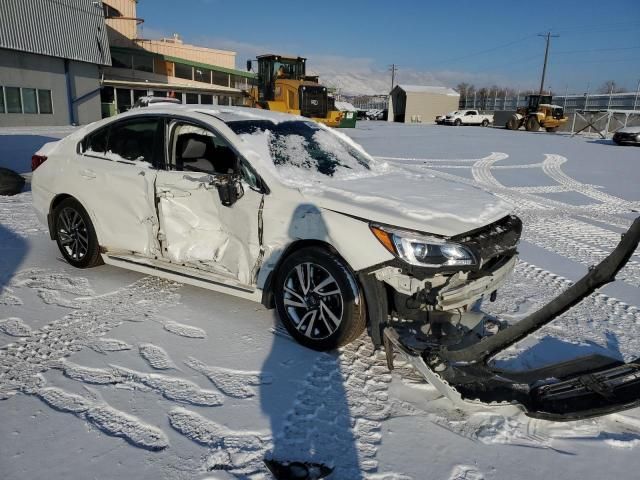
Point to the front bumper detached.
(581, 388)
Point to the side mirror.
(230, 189)
(248, 65)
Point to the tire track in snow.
(570, 238)
(15, 327)
(551, 166)
(172, 388)
(233, 383)
(106, 418)
(340, 406)
(155, 356)
(601, 319)
(23, 362)
(411, 161)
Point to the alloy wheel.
(72, 233)
(313, 300)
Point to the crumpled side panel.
(199, 231)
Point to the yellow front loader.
(539, 112)
(283, 86)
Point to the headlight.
(422, 250)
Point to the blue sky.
(449, 42)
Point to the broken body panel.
(460, 366)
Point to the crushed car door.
(117, 178)
(210, 217)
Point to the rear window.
(305, 147)
(131, 140)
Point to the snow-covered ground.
(105, 373)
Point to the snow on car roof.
(226, 114)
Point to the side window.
(96, 142)
(468, 114)
(134, 140)
(196, 149)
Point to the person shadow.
(307, 403)
(13, 251)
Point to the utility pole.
(393, 68)
(546, 56)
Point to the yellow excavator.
(283, 86)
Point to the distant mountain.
(370, 83)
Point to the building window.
(29, 100)
(202, 75)
(206, 99)
(1, 99)
(44, 101)
(239, 82)
(192, 98)
(137, 94)
(143, 63)
(110, 12)
(184, 71)
(159, 93)
(123, 96)
(121, 60)
(14, 103)
(220, 78)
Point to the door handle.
(86, 173)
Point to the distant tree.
(610, 86)
(463, 88)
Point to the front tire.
(318, 299)
(532, 124)
(458, 122)
(75, 235)
(551, 129)
(485, 123)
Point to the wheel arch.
(59, 198)
(267, 289)
(54, 203)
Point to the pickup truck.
(468, 117)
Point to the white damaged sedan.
(277, 209)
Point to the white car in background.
(277, 209)
(468, 117)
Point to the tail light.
(36, 161)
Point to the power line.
(564, 52)
(488, 50)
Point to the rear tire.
(75, 235)
(532, 124)
(551, 129)
(318, 299)
(458, 122)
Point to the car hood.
(422, 202)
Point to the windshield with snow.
(305, 146)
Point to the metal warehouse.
(50, 56)
(420, 103)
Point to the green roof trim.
(169, 58)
